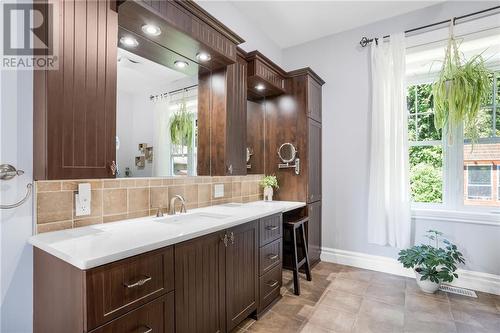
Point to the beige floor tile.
(310, 328)
(350, 286)
(476, 315)
(485, 302)
(467, 328)
(273, 322)
(337, 321)
(417, 324)
(413, 288)
(385, 293)
(390, 315)
(369, 325)
(340, 300)
(394, 281)
(427, 308)
(294, 307)
(352, 273)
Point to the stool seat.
(294, 227)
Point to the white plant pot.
(427, 286)
(268, 193)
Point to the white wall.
(344, 65)
(16, 225)
(234, 19)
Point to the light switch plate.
(218, 190)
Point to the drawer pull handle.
(139, 283)
(272, 284)
(147, 329)
(231, 237)
(272, 227)
(272, 256)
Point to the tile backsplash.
(125, 198)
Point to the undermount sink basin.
(193, 217)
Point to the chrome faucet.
(171, 210)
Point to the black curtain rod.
(173, 91)
(365, 41)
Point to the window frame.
(453, 197)
(490, 185)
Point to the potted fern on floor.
(432, 263)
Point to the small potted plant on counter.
(432, 263)
(268, 183)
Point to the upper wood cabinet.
(75, 105)
(313, 99)
(263, 73)
(222, 120)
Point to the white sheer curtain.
(161, 148)
(389, 218)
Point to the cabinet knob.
(113, 168)
(231, 237)
(224, 239)
(230, 169)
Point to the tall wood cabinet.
(295, 117)
(75, 105)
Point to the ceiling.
(289, 23)
(138, 75)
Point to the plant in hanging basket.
(459, 92)
(181, 126)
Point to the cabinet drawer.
(269, 255)
(270, 285)
(270, 229)
(156, 316)
(115, 289)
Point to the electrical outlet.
(218, 190)
(83, 200)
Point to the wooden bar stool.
(294, 245)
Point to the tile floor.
(346, 299)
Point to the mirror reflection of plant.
(438, 264)
(181, 126)
(462, 87)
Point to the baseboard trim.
(478, 281)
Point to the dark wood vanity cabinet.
(200, 275)
(313, 99)
(242, 269)
(75, 104)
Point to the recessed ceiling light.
(129, 41)
(180, 64)
(260, 87)
(203, 56)
(151, 29)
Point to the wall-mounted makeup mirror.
(288, 154)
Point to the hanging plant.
(459, 92)
(181, 126)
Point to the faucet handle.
(159, 212)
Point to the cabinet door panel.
(75, 104)
(241, 273)
(200, 285)
(314, 161)
(314, 99)
(314, 231)
(236, 139)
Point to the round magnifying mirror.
(287, 152)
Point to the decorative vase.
(427, 286)
(268, 193)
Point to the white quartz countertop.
(96, 245)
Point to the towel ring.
(8, 172)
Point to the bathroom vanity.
(204, 271)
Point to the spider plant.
(181, 126)
(459, 92)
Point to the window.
(425, 148)
(435, 163)
(479, 182)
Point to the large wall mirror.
(157, 123)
